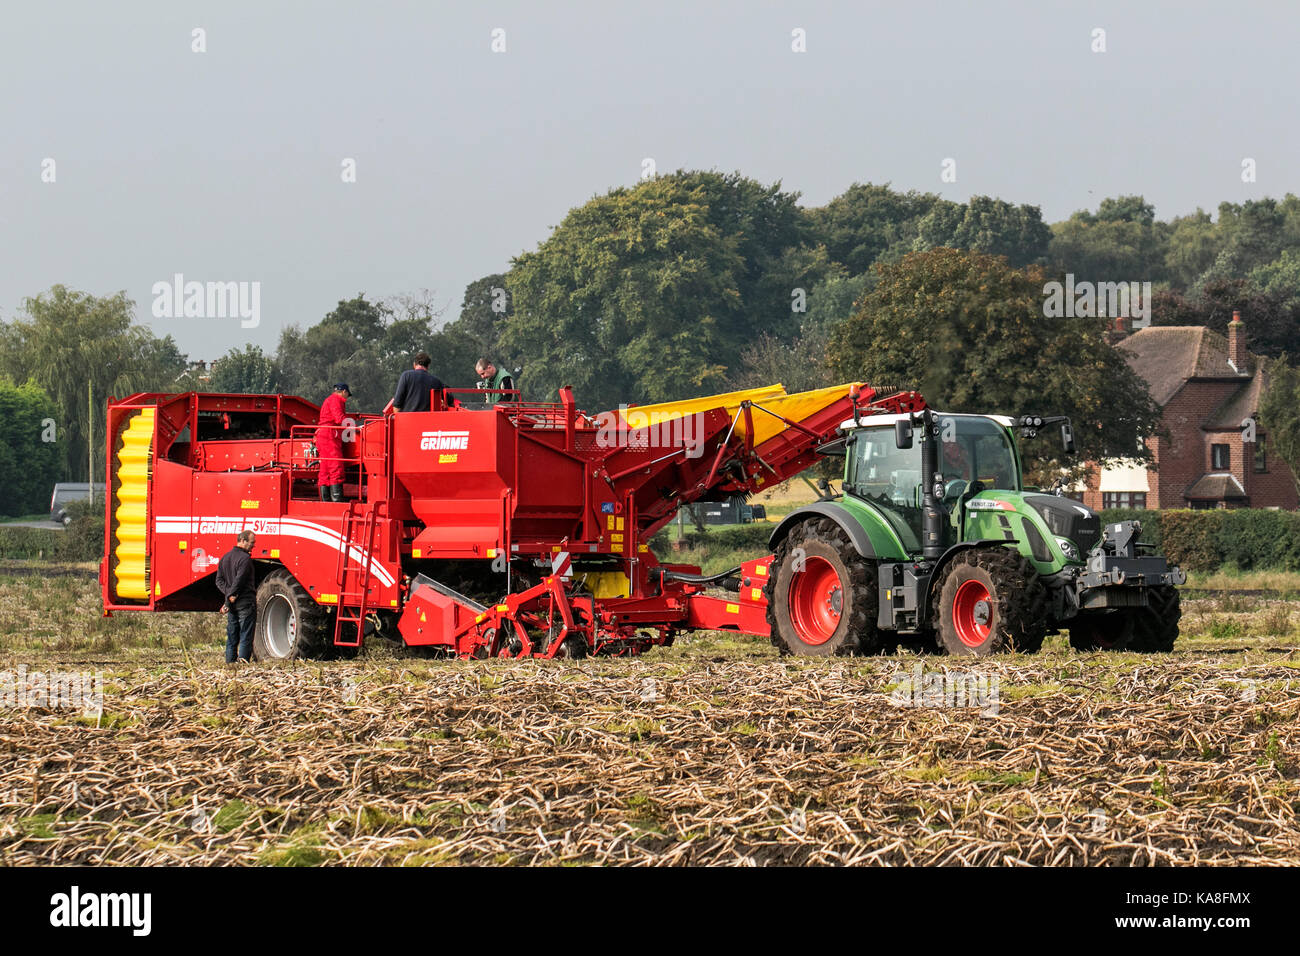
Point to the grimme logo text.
(444, 441)
(74, 908)
(1115, 300)
(208, 300)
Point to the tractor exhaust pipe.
(934, 518)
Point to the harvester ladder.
(352, 609)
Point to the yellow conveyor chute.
(132, 464)
(795, 407)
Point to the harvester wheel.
(1146, 630)
(991, 600)
(290, 625)
(821, 594)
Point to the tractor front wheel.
(290, 625)
(1145, 630)
(821, 594)
(991, 600)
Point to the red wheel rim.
(972, 613)
(816, 601)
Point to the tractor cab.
(883, 466)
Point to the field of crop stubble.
(712, 751)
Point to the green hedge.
(1245, 539)
(82, 540)
(1151, 528)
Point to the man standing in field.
(238, 596)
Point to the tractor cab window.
(889, 478)
(972, 448)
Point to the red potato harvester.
(519, 529)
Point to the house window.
(1261, 456)
(1123, 499)
(1219, 458)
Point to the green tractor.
(935, 541)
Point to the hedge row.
(83, 540)
(1245, 539)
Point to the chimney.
(1119, 330)
(1238, 357)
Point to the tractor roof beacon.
(523, 529)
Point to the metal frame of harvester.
(519, 529)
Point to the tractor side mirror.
(903, 433)
(1067, 438)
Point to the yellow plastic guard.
(133, 464)
(795, 407)
(641, 416)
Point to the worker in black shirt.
(414, 386)
(238, 596)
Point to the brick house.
(1207, 386)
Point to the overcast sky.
(226, 165)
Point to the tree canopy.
(969, 331)
(72, 341)
(648, 293)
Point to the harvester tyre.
(991, 600)
(290, 625)
(821, 594)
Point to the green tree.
(247, 371)
(1121, 242)
(1250, 234)
(476, 333)
(72, 342)
(31, 453)
(1280, 279)
(1279, 412)
(649, 293)
(1271, 326)
(867, 223)
(970, 332)
(987, 225)
(802, 363)
(1193, 245)
(365, 344)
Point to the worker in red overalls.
(329, 443)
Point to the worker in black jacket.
(414, 385)
(238, 596)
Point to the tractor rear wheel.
(290, 625)
(821, 594)
(991, 600)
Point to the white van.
(67, 492)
